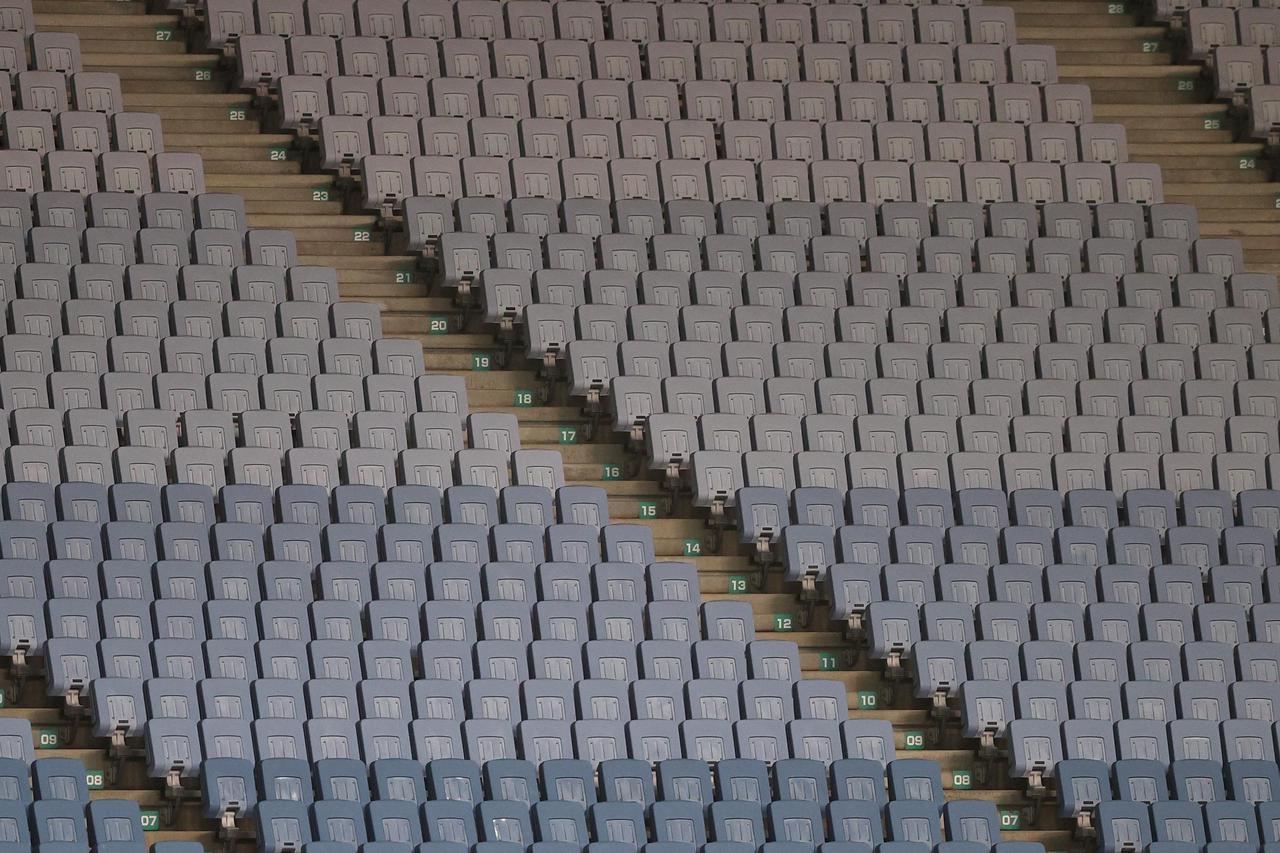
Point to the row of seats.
(1037, 747)
(343, 541)
(171, 247)
(550, 327)
(463, 781)
(859, 552)
(307, 505)
(192, 282)
(56, 92)
(427, 218)
(1194, 741)
(391, 181)
(1230, 824)
(174, 210)
(287, 828)
(1039, 688)
(928, 268)
(310, 466)
(1151, 508)
(84, 172)
(1197, 294)
(127, 695)
(266, 61)
(21, 51)
(175, 744)
(854, 362)
(446, 619)
(380, 430)
(985, 704)
(78, 416)
(675, 235)
(53, 825)
(354, 577)
(713, 478)
(981, 405)
(571, 827)
(183, 318)
(510, 259)
(620, 781)
(507, 292)
(1165, 11)
(1096, 632)
(677, 439)
(288, 392)
(345, 141)
(71, 663)
(627, 823)
(305, 100)
(393, 580)
(82, 130)
(127, 669)
(234, 20)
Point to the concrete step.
(1035, 21)
(50, 13)
(1023, 8)
(1175, 137)
(1114, 54)
(1056, 34)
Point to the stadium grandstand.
(639, 426)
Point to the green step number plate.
(692, 548)
(95, 780)
(150, 820)
(784, 622)
(523, 398)
(648, 509)
(437, 324)
(828, 662)
(481, 361)
(47, 738)
(1011, 819)
(611, 472)
(868, 700)
(568, 435)
(914, 740)
(738, 584)
(962, 780)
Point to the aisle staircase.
(1166, 124)
(1168, 113)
